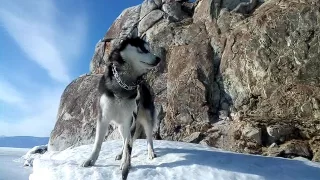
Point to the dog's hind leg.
(137, 132)
(146, 119)
(101, 130)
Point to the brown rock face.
(238, 75)
(270, 66)
(190, 76)
(267, 61)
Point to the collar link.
(121, 83)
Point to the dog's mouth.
(153, 64)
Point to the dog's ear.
(115, 57)
(109, 70)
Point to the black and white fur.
(129, 109)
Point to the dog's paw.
(88, 163)
(118, 157)
(151, 155)
(123, 164)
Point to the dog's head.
(136, 52)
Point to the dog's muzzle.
(156, 62)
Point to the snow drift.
(33, 153)
(175, 161)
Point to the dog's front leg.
(127, 149)
(101, 130)
(146, 122)
(119, 156)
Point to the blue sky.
(44, 45)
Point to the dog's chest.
(117, 110)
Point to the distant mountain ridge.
(22, 141)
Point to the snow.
(11, 164)
(33, 153)
(175, 161)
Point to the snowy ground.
(175, 161)
(11, 164)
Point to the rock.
(98, 63)
(204, 11)
(158, 3)
(208, 9)
(204, 142)
(227, 20)
(279, 131)
(315, 147)
(35, 152)
(316, 156)
(146, 7)
(252, 69)
(292, 149)
(149, 20)
(273, 145)
(193, 138)
(211, 139)
(188, 74)
(246, 7)
(77, 115)
(273, 150)
(171, 1)
(188, 8)
(174, 11)
(231, 4)
(223, 115)
(253, 133)
(124, 25)
(121, 28)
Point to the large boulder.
(270, 67)
(239, 75)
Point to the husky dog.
(125, 100)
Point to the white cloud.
(51, 38)
(47, 36)
(39, 117)
(9, 94)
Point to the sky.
(44, 45)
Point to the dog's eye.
(139, 50)
(142, 50)
(146, 46)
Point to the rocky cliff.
(242, 75)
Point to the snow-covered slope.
(175, 161)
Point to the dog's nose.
(158, 60)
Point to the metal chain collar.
(121, 83)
